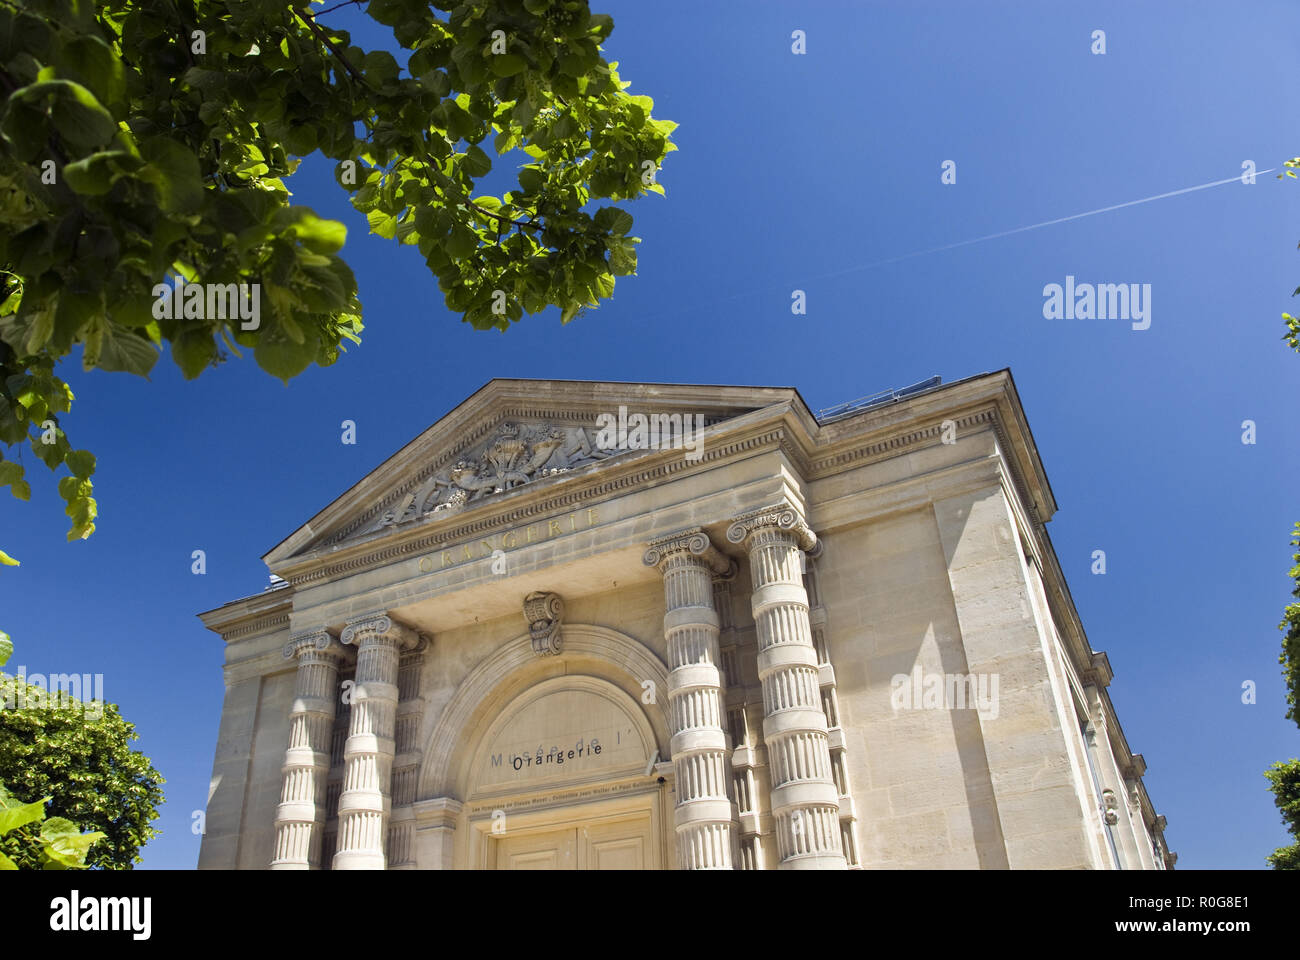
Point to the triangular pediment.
(513, 434)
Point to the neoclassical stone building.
(607, 625)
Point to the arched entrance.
(564, 781)
(558, 759)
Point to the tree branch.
(530, 224)
(320, 34)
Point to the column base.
(814, 863)
(358, 860)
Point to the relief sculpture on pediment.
(515, 455)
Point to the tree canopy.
(1284, 776)
(147, 142)
(1284, 781)
(78, 757)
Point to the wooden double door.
(622, 844)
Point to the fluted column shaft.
(300, 817)
(365, 802)
(705, 834)
(804, 798)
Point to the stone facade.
(720, 635)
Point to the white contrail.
(1035, 226)
(966, 243)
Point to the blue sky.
(801, 172)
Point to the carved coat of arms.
(514, 456)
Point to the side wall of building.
(239, 820)
(930, 603)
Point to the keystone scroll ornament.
(543, 611)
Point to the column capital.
(381, 625)
(693, 541)
(781, 516)
(319, 640)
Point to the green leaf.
(281, 357)
(14, 301)
(80, 531)
(6, 645)
(6, 561)
(81, 463)
(622, 255)
(383, 223)
(79, 117)
(193, 353)
(615, 221)
(67, 844)
(531, 178)
(13, 817)
(124, 351)
(476, 162)
(94, 63)
(462, 242)
(95, 174)
(9, 472)
(174, 170)
(42, 329)
(6, 863)
(319, 235)
(379, 67)
(507, 64)
(70, 488)
(388, 12)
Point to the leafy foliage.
(40, 844)
(1290, 625)
(78, 760)
(1284, 781)
(1292, 335)
(1284, 777)
(148, 140)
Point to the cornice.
(266, 612)
(587, 488)
(855, 454)
(261, 625)
(1098, 672)
(813, 450)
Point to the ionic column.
(406, 759)
(300, 817)
(804, 798)
(366, 801)
(688, 562)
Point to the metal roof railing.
(888, 396)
